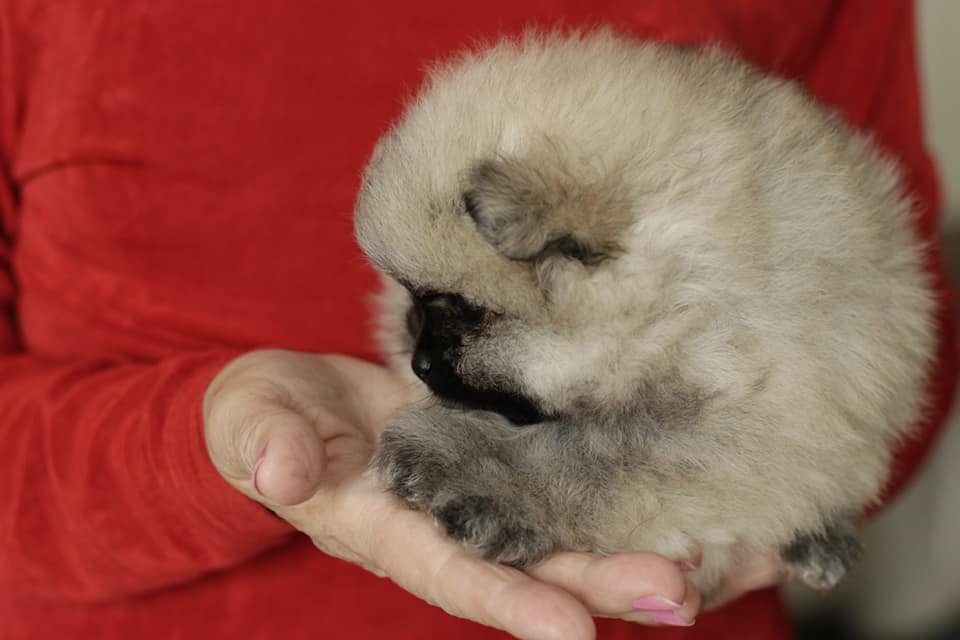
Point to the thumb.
(290, 459)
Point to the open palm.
(295, 432)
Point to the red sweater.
(176, 186)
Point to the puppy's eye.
(471, 313)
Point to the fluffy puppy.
(658, 298)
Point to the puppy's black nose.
(422, 365)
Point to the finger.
(508, 599)
(624, 584)
(412, 551)
(264, 448)
(684, 616)
(291, 459)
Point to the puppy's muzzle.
(438, 323)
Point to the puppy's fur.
(659, 297)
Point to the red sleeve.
(108, 489)
(107, 486)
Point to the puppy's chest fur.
(697, 289)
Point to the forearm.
(109, 490)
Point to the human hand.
(295, 432)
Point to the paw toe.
(821, 560)
(480, 523)
(408, 472)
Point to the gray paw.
(821, 560)
(484, 524)
(486, 518)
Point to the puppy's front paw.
(485, 524)
(409, 470)
(484, 515)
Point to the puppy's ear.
(535, 207)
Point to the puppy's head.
(508, 214)
(498, 297)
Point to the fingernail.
(670, 618)
(256, 467)
(654, 603)
(686, 566)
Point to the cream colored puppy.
(659, 299)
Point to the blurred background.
(908, 587)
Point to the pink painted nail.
(686, 567)
(670, 618)
(654, 603)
